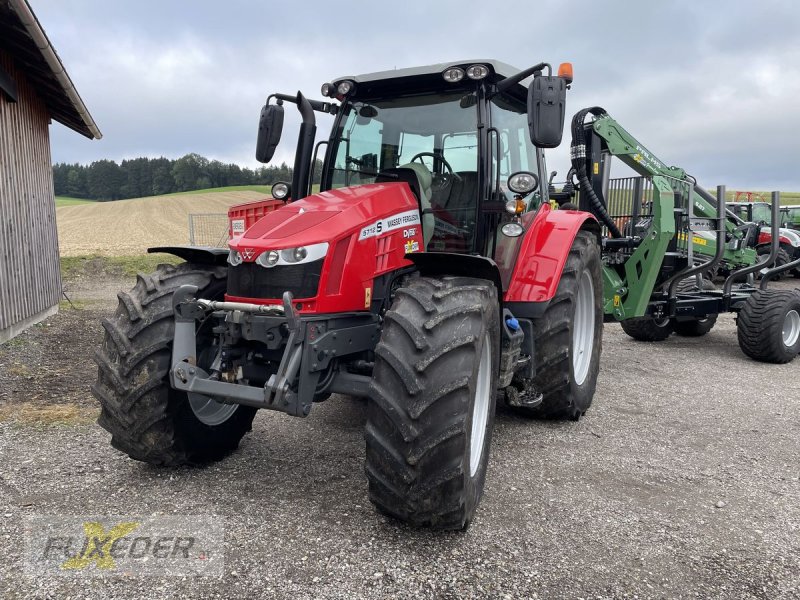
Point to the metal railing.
(208, 229)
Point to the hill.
(129, 227)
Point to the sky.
(710, 86)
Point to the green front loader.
(664, 236)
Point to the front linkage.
(311, 365)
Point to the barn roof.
(22, 36)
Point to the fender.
(544, 251)
(200, 255)
(464, 265)
(786, 236)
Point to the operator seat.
(419, 179)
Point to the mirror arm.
(317, 105)
(506, 83)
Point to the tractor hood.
(325, 217)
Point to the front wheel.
(432, 401)
(147, 419)
(568, 337)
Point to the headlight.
(293, 256)
(234, 258)
(327, 90)
(523, 182)
(269, 258)
(512, 229)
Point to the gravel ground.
(680, 482)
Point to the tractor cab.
(454, 133)
(447, 132)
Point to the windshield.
(762, 213)
(517, 153)
(792, 217)
(438, 131)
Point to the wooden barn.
(34, 88)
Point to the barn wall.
(30, 276)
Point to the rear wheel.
(432, 401)
(147, 419)
(568, 337)
(768, 326)
(782, 258)
(648, 329)
(696, 326)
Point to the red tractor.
(428, 275)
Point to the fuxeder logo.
(151, 546)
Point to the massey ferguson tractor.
(427, 275)
(431, 276)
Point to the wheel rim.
(791, 328)
(209, 411)
(480, 407)
(583, 329)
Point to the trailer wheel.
(698, 326)
(147, 419)
(648, 329)
(782, 258)
(568, 337)
(432, 401)
(768, 326)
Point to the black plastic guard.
(199, 255)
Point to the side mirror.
(547, 99)
(270, 126)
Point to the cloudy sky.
(712, 87)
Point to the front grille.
(250, 280)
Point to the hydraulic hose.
(578, 156)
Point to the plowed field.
(128, 227)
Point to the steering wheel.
(451, 173)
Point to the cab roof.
(428, 76)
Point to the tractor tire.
(695, 327)
(782, 259)
(647, 329)
(147, 419)
(568, 337)
(768, 326)
(432, 401)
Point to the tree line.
(107, 180)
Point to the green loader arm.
(627, 295)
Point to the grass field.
(264, 189)
(65, 201)
(75, 267)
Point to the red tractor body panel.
(243, 216)
(369, 229)
(543, 252)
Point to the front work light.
(522, 182)
(280, 191)
(477, 72)
(327, 90)
(453, 75)
(345, 87)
